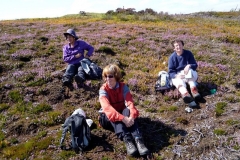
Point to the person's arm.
(110, 112)
(171, 67)
(68, 56)
(134, 113)
(89, 49)
(187, 68)
(192, 62)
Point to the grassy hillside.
(34, 105)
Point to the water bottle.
(213, 91)
(163, 79)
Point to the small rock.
(188, 109)
(7, 86)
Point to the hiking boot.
(192, 104)
(131, 149)
(79, 81)
(187, 98)
(68, 84)
(195, 93)
(142, 149)
(66, 81)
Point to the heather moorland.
(34, 104)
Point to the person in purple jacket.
(73, 53)
(182, 70)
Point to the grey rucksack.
(92, 70)
(163, 82)
(80, 132)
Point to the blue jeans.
(119, 127)
(72, 70)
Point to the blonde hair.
(114, 70)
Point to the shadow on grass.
(206, 88)
(157, 134)
(107, 50)
(99, 142)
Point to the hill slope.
(33, 103)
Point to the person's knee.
(179, 86)
(104, 122)
(81, 75)
(79, 79)
(126, 112)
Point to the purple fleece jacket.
(79, 47)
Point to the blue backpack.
(163, 82)
(92, 70)
(80, 132)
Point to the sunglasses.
(109, 76)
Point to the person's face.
(70, 39)
(111, 81)
(178, 48)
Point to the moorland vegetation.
(34, 104)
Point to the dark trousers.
(119, 127)
(72, 70)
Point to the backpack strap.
(65, 126)
(80, 132)
(73, 138)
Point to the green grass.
(38, 82)
(15, 96)
(43, 107)
(4, 106)
(173, 108)
(182, 120)
(2, 136)
(52, 118)
(24, 150)
(220, 132)
(220, 108)
(152, 110)
(232, 122)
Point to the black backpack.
(80, 132)
(163, 82)
(91, 69)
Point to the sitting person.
(119, 112)
(182, 69)
(73, 53)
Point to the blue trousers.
(119, 127)
(72, 70)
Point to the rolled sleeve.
(134, 113)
